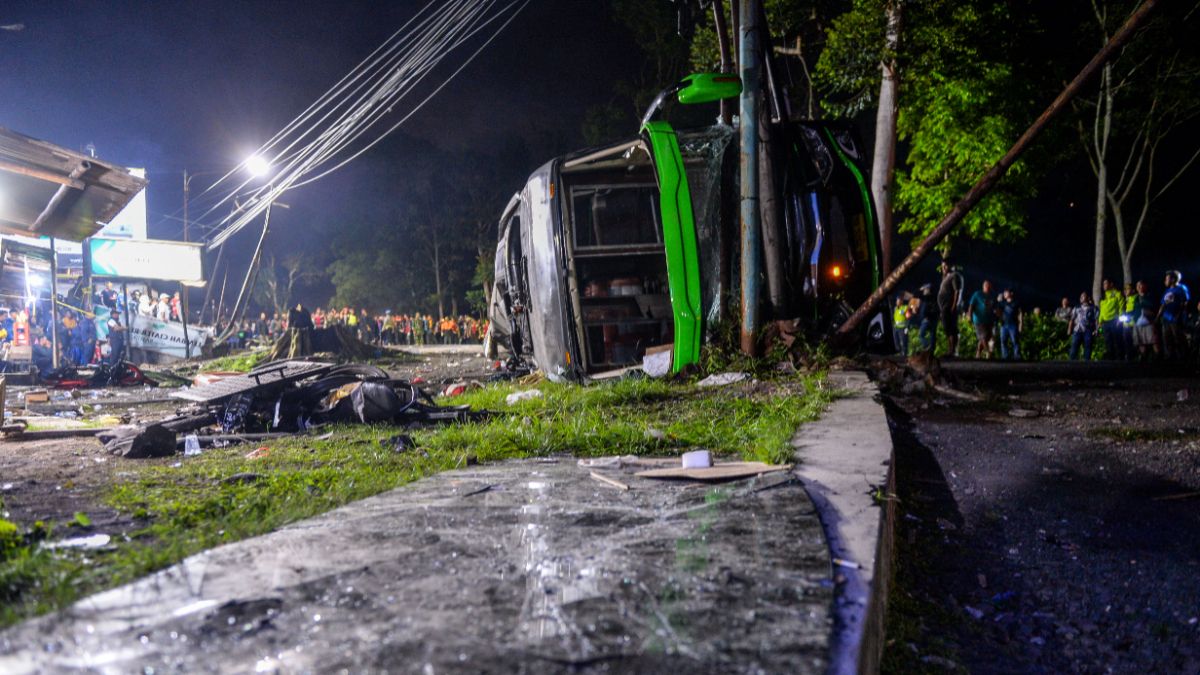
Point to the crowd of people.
(1136, 323)
(162, 306)
(387, 328)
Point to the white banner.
(165, 337)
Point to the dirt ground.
(1053, 526)
(52, 480)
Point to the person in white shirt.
(144, 306)
(162, 311)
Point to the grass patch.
(222, 496)
(1141, 435)
(242, 362)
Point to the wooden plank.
(719, 472)
(49, 434)
(41, 174)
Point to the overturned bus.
(609, 252)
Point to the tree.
(961, 106)
(1143, 98)
(653, 26)
(277, 279)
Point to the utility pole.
(748, 61)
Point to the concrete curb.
(845, 460)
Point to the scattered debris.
(614, 462)
(722, 379)
(399, 443)
(1023, 413)
(608, 481)
(92, 542)
(282, 399)
(697, 459)
(518, 396)
(259, 452)
(191, 446)
(850, 564)
(154, 440)
(719, 472)
(1182, 395)
(244, 478)
(657, 360)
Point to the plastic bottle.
(191, 445)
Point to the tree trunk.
(1101, 226)
(1105, 128)
(883, 165)
(768, 206)
(1122, 244)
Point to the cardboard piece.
(719, 472)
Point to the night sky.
(175, 85)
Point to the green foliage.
(187, 508)
(10, 539)
(81, 519)
(243, 362)
(1043, 338)
(962, 103)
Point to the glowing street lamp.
(257, 165)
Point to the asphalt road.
(1053, 525)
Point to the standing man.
(1012, 321)
(1145, 332)
(983, 318)
(927, 332)
(108, 297)
(900, 318)
(1170, 314)
(1064, 311)
(1127, 319)
(1082, 327)
(949, 299)
(116, 341)
(1110, 321)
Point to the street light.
(256, 165)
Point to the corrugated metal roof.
(49, 190)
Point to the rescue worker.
(1110, 324)
(900, 318)
(1127, 319)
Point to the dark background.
(172, 86)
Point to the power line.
(307, 148)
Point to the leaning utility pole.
(748, 60)
(989, 180)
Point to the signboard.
(145, 259)
(130, 222)
(165, 337)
